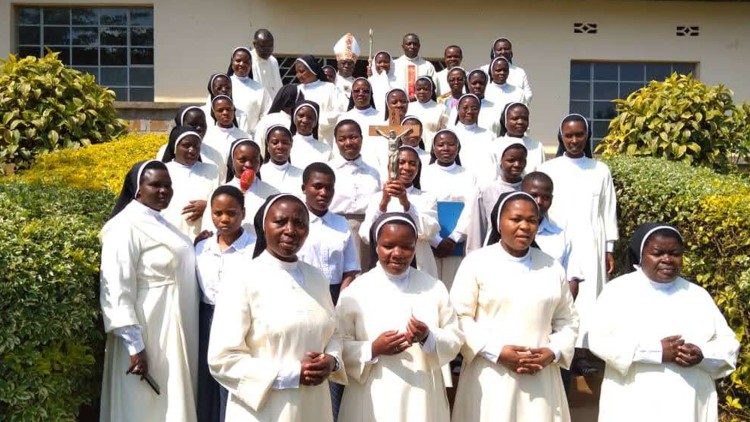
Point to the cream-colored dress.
(265, 322)
(194, 183)
(423, 209)
(637, 385)
(407, 387)
(148, 280)
(504, 300)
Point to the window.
(593, 86)
(116, 45)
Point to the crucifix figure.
(393, 134)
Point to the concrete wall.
(193, 38)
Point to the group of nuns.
(279, 260)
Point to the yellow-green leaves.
(681, 119)
(46, 106)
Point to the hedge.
(711, 211)
(101, 166)
(51, 337)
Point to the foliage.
(101, 166)
(51, 338)
(711, 212)
(45, 106)
(681, 119)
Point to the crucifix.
(393, 133)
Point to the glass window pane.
(28, 35)
(600, 128)
(580, 107)
(56, 35)
(114, 76)
(580, 90)
(84, 16)
(605, 90)
(605, 71)
(114, 56)
(28, 51)
(580, 71)
(604, 110)
(141, 76)
(85, 56)
(82, 35)
(631, 72)
(141, 17)
(141, 94)
(121, 94)
(113, 36)
(56, 16)
(142, 36)
(64, 55)
(657, 71)
(141, 56)
(29, 15)
(684, 68)
(89, 69)
(113, 16)
(627, 88)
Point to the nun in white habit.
(307, 148)
(382, 77)
(517, 75)
(498, 90)
(220, 136)
(663, 338)
(313, 87)
(362, 106)
(193, 181)
(477, 147)
(432, 115)
(280, 113)
(249, 95)
(221, 84)
(278, 170)
(149, 300)
(274, 341)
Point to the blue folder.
(448, 214)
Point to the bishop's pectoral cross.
(394, 132)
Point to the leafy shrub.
(45, 106)
(101, 166)
(711, 211)
(680, 119)
(51, 339)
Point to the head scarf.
(179, 118)
(641, 236)
(230, 159)
(433, 157)
(268, 134)
(492, 49)
(467, 96)
(492, 64)
(374, 67)
(387, 94)
(214, 77)
(351, 98)
(222, 97)
(315, 107)
(466, 77)
(177, 134)
(287, 97)
(131, 184)
(508, 142)
(260, 217)
(504, 116)
(313, 66)
(377, 228)
(494, 234)
(416, 183)
(421, 129)
(433, 95)
(574, 117)
(230, 71)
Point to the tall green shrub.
(45, 106)
(680, 119)
(711, 211)
(50, 335)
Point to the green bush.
(100, 166)
(711, 211)
(51, 338)
(45, 106)
(680, 119)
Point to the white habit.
(307, 150)
(516, 77)
(286, 178)
(332, 103)
(250, 97)
(433, 117)
(216, 144)
(266, 72)
(194, 183)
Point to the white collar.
(324, 218)
(279, 167)
(242, 79)
(268, 258)
(410, 189)
(225, 130)
(243, 241)
(142, 209)
(469, 128)
(341, 162)
(366, 112)
(547, 226)
(447, 168)
(400, 280)
(526, 259)
(309, 138)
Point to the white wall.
(193, 38)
